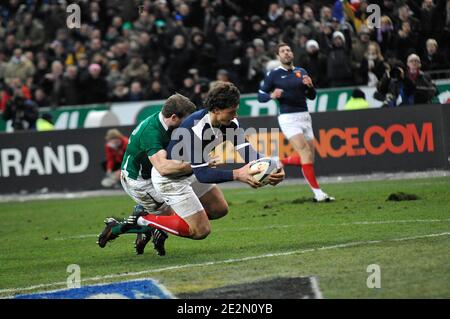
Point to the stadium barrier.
(355, 142)
(131, 113)
(377, 140)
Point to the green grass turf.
(35, 248)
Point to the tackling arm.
(169, 167)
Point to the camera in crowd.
(204, 86)
(17, 100)
(390, 86)
(397, 73)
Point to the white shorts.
(143, 193)
(296, 123)
(182, 194)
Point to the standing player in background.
(291, 86)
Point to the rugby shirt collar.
(161, 119)
(281, 67)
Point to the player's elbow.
(201, 178)
(163, 172)
(201, 175)
(162, 169)
(262, 98)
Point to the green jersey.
(148, 138)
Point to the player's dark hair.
(280, 45)
(179, 105)
(222, 96)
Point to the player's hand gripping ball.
(265, 166)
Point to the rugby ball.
(266, 166)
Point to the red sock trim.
(310, 176)
(173, 224)
(292, 160)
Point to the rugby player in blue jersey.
(191, 143)
(291, 86)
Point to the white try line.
(297, 225)
(77, 237)
(395, 222)
(227, 261)
(315, 288)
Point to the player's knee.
(220, 211)
(306, 154)
(201, 232)
(305, 148)
(223, 210)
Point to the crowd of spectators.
(142, 50)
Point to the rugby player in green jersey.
(146, 149)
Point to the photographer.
(22, 112)
(412, 86)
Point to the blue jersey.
(196, 137)
(295, 92)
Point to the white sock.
(141, 221)
(318, 192)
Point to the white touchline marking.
(227, 261)
(289, 226)
(256, 228)
(76, 237)
(396, 221)
(315, 287)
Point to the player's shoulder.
(144, 125)
(275, 71)
(151, 118)
(193, 118)
(151, 122)
(234, 124)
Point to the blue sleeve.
(199, 163)
(265, 89)
(208, 175)
(310, 93)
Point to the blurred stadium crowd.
(145, 50)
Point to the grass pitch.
(270, 232)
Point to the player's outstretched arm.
(169, 167)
